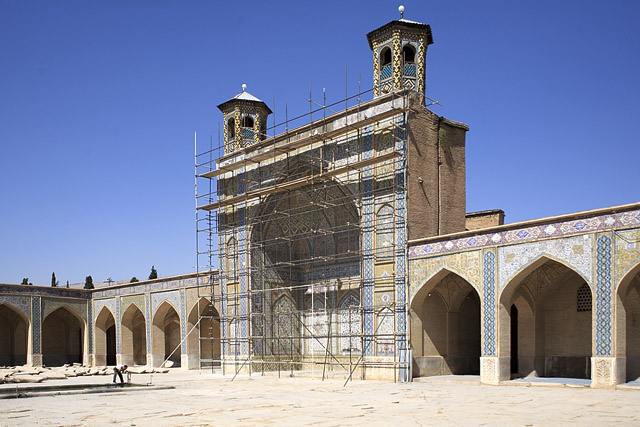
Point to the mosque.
(338, 244)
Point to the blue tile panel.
(603, 296)
(489, 303)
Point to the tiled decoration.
(558, 229)
(147, 318)
(137, 300)
(400, 244)
(385, 342)
(172, 297)
(464, 264)
(575, 252)
(21, 303)
(100, 303)
(43, 291)
(79, 307)
(183, 321)
(627, 250)
(242, 261)
(350, 323)
(155, 286)
(36, 316)
(603, 296)
(118, 325)
(90, 326)
(489, 303)
(368, 233)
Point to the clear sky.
(99, 101)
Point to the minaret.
(399, 55)
(245, 120)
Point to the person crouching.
(119, 370)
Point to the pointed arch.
(285, 326)
(445, 325)
(14, 334)
(133, 336)
(105, 338)
(63, 337)
(203, 341)
(166, 338)
(350, 318)
(525, 270)
(385, 233)
(436, 277)
(385, 59)
(627, 321)
(553, 334)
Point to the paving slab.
(213, 399)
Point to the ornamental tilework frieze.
(173, 297)
(183, 320)
(603, 296)
(137, 300)
(19, 302)
(464, 264)
(576, 252)
(527, 234)
(90, 326)
(79, 307)
(147, 318)
(627, 252)
(98, 305)
(36, 313)
(148, 287)
(43, 291)
(489, 303)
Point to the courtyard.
(212, 399)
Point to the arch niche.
(628, 322)
(306, 239)
(445, 327)
(166, 335)
(203, 343)
(14, 332)
(545, 321)
(105, 338)
(62, 338)
(133, 337)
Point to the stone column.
(34, 356)
(606, 370)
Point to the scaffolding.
(296, 240)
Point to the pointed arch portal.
(445, 327)
(14, 328)
(62, 338)
(545, 321)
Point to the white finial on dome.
(244, 87)
(401, 10)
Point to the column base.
(607, 372)
(34, 359)
(495, 369)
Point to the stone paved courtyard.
(206, 399)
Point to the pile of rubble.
(36, 374)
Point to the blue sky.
(99, 102)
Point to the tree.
(134, 279)
(88, 283)
(154, 273)
(54, 282)
(67, 283)
(25, 281)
